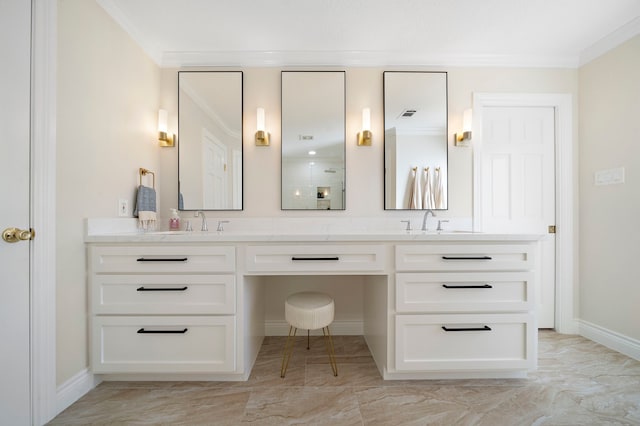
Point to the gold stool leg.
(330, 350)
(288, 350)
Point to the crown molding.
(358, 59)
(150, 48)
(613, 40)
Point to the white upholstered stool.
(309, 311)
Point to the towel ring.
(144, 172)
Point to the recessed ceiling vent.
(407, 113)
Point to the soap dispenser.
(174, 220)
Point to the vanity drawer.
(464, 292)
(163, 294)
(465, 257)
(319, 259)
(469, 343)
(163, 344)
(162, 258)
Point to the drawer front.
(163, 294)
(162, 258)
(163, 344)
(465, 257)
(315, 258)
(472, 342)
(464, 292)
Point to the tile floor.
(578, 382)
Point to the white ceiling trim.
(616, 38)
(148, 46)
(358, 58)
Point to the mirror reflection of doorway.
(214, 172)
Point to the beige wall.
(108, 96)
(364, 164)
(609, 128)
(106, 129)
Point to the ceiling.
(539, 33)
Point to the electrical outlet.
(123, 208)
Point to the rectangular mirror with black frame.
(210, 158)
(313, 140)
(415, 140)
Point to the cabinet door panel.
(464, 292)
(470, 343)
(163, 294)
(162, 259)
(464, 257)
(163, 344)
(327, 259)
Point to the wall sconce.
(464, 138)
(262, 137)
(164, 138)
(364, 137)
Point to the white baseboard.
(337, 328)
(611, 339)
(74, 389)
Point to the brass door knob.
(13, 235)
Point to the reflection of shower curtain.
(427, 192)
(415, 199)
(438, 192)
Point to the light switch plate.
(123, 208)
(609, 176)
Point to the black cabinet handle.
(466, 257)
(467, 286)
(159, 259)
(143, 331)
(485, 328)
(162, 288)
(315, 258)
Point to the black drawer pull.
(315, 258)
(170, 259)
(467, 286)
(143, 331)
(485, 328)
(162, 288)
(466, 257)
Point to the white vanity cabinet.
(162, 308)
(464, 307)
(165, 306)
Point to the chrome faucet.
(204, 221)
(221, 225)
(440, 222)
(424, 219)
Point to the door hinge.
(552, 229)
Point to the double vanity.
(190, 305)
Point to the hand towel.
(427, 197)
(439, 195)
(145, 209)
(415, 199)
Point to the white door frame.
(43, 208)
(565, 247)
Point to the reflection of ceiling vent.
(330, 170)
(407, 113)
(305, 137)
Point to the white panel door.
(518, 185)
(15, 81)
(214, 172)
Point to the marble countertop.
(122, 231)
